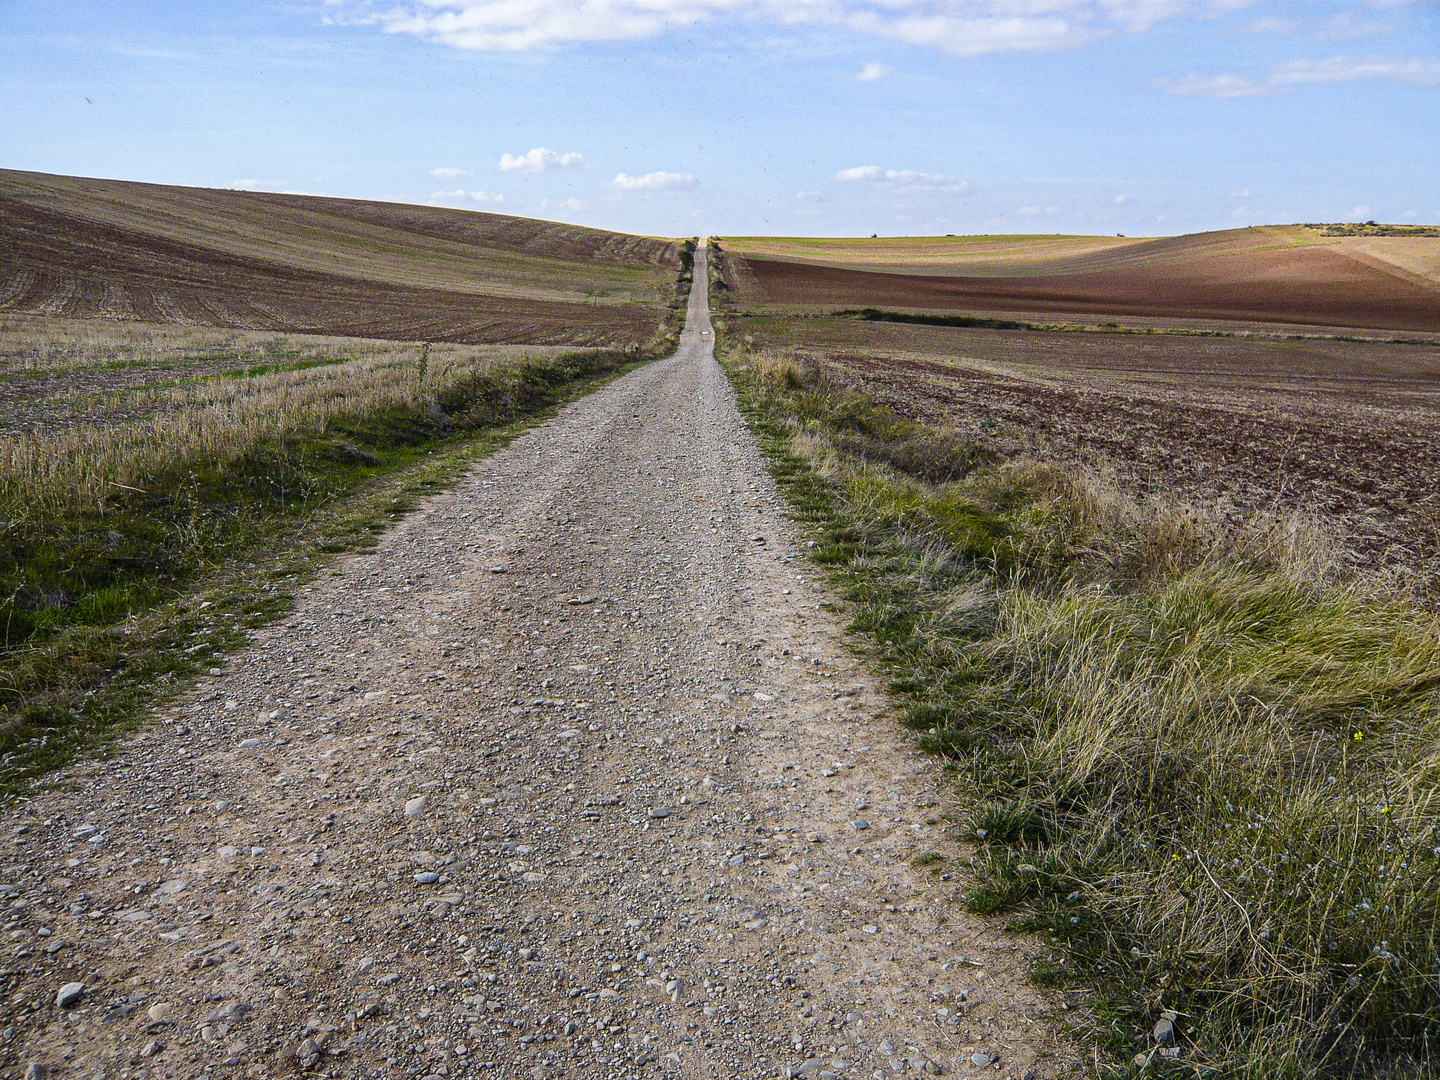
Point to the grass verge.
(108, 606)
(1198, 760)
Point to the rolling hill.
(81, 248)
(1275, 274)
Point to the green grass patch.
(106, 611)
(1198, 759)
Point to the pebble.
(230, 1012)
(415, 807)
(427, 877)
(69, 995)
(859, 824)
(980, 1059)
(1164, 1030)
(159, 1011)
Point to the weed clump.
(1202, 757)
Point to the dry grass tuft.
(1201, 756)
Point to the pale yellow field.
(981, 255)
(1416, 259)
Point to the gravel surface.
(571, 776)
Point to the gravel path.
(570, 777)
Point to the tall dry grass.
(131, 434)
(1200, 757)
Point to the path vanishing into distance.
(571, 776)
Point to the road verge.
(1196, 759)
(111, 605)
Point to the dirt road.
(570, 777)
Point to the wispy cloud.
(450, 174)
(1346, 27)
(540, 160)
(462, 196)
(1409, 70)
(957, 27)
(872, 73)
(904, 179)
(655, 181)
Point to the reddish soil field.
(1349, 432)
(1307, 286)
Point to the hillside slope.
(1280, 274)
(73, 247)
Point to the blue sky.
(825, 117)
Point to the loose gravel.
(571, 777)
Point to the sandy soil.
(570, 777)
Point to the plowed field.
(84, 249)
(1342, 430)
(1288, 275)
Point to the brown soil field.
(1288, 275)
(76, 248)
(1347, 432)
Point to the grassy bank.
(148, 529)
(1198, 758)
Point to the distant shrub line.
(978, 322)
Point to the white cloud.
(540, 160)
(1360, 212)
(655, 181)
(872, 73)
(1273, 25)
(1243, 193)
(956, 27)
(450, 174)
(1408, 70)
(1036, 211)
(810, 196)
(1214, 86)
(1121, 200)
(460, 195)
(1413, 71)
(904, 179)
(1345, 27)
